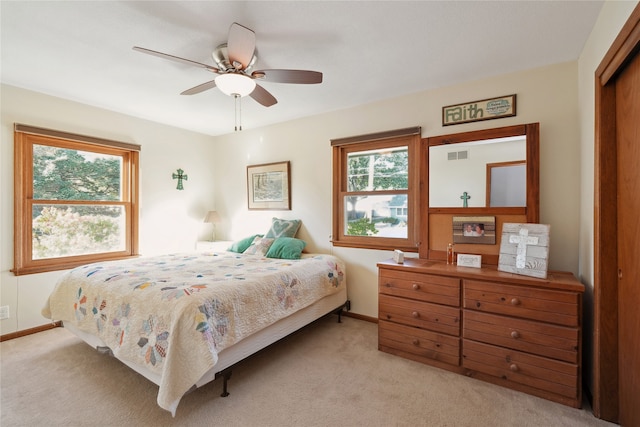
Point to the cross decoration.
(465, 196)
(179, 176)
(522, 239)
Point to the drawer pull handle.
(513, 367)
(515, 334)
(416, 342)
(515, 301)
(416, 286)
(415, 314)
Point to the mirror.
(484, 173)
(476, 185)
(505, 184)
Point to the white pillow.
(259, 246)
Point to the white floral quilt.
(174, 313)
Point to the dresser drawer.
(425, 344)
(424, 315)
(534, 371)
(558, 342)
(424, 287)
(523, 301)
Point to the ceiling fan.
(235, 61)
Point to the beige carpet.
(328, 374)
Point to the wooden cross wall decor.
(180, 176)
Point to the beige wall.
(612, 17)
(547, 95)
(170, 220)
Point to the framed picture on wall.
(474, 230)
(269, 186)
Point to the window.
(375, 190)
(75, 200)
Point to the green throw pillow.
(241, 245)
(286, 248)
(283, 228)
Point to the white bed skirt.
(246, 347)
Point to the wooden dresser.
(507, 329)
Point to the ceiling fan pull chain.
(238, 111)
(239, 98)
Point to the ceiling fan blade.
(262, 96)
(290, 76)
(241, 45)
(200, 88)
(175, 58)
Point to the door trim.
(605, 293)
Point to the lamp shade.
(212, 217)
(235, 84)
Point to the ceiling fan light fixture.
(235, 84)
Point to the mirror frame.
(532, 209)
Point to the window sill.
(44, 268)
(385, 247)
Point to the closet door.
(628, 153)
(616, 298)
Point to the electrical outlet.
(4, 312)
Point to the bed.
(182, 320)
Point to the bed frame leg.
(346, 306)
(226, 375)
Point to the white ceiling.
(367, 51)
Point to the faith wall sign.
(485, 109)
(524, 249)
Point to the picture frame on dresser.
(477, 230)
(525, 249)
(466, 260)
